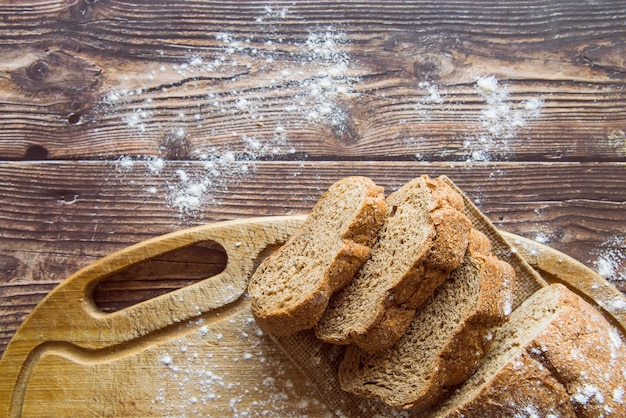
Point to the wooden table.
(120, 122)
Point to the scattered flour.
(610, 258)
(201, 375)
(433, 93)
(501, 119)
(155, 165)
(618, 395)
(528, 412)
(586, 394)
(316, 79)
(541, 238)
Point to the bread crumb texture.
(291, 288)
(422, 240)
(446, 340)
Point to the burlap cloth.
(320, 361)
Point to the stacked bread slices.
(418, 298)
(446, 340)
(421, 241)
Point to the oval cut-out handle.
(166, 273)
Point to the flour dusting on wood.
(610, 259)
(303, 84)
(501, 119)
(314, 84)
(229, 368)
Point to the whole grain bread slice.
(574, 357)
(446, 340)
(291, 288)
(422, 240)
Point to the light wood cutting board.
(195, 351)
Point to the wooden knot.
(57, 72)
(38, 71)
(82, 10)
(432, 67)
(608, 57)
(8, 267)
(175, 146)
(36, 153)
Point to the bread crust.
(523, 386)
(586, 355)
(443, 248)
(375, 375)
(572, 365)
(302, 309)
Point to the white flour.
(610, 261)
(501, 119)
(317, 78)
(229, 368)
(316, 82)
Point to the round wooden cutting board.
(194, 351)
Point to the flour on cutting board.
(230, 368)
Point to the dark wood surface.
(120, 122)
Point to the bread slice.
(447, 339)
(291, 288)
(422, 240)
(556, 356)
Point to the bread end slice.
(291, 288)
(555, 339)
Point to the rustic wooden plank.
(325, 79)
(58, 217)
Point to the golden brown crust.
(558, 356)
(452, 230)
(586, 355)
(523, 386)
(353, 250)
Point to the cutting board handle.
(72, 306)
(69, 320)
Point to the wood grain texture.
(169, 67)
(262, 105)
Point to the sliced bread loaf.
(422, 240)
(291, 288)
(446, 340)
(556, 356)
